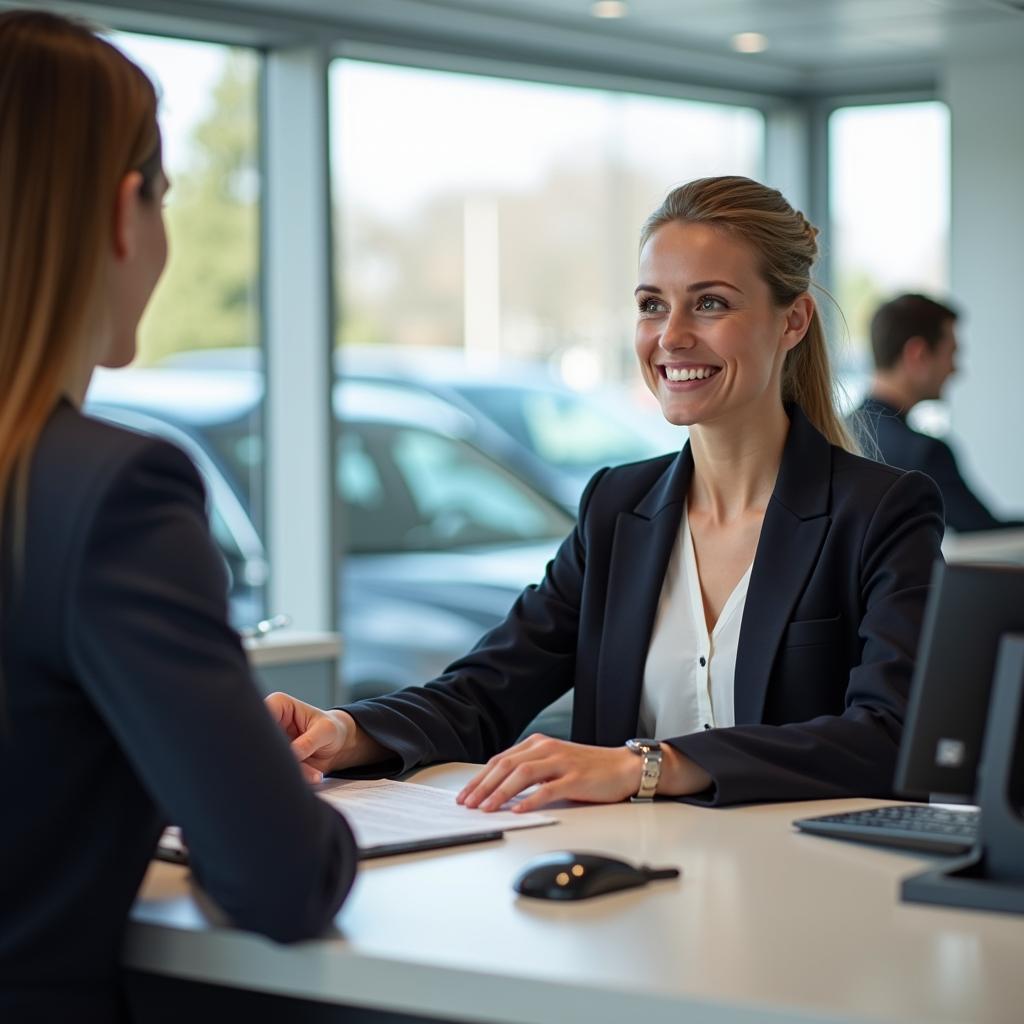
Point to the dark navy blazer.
(827, 642)
(126, 701)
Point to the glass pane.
(486, 244)
(502, 217)
(568, 429)
(415, 490)
(889, 199)
(463, 498)
(197, 372)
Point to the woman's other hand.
(574, 771)
(559, 769)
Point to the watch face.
(640, 746)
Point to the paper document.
(396, 817)
(385, 813)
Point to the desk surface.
(985, 546)
(291, 647)
(766, 924)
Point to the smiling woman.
(754, 601)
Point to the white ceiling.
(815, 46)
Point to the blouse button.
(703, 661)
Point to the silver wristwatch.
(650, 751)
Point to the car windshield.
(411, 489)
(569, 430)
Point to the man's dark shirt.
(885, 435)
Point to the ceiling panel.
(813, 32)
(814, 45)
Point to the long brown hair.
(787, 246)
(76, 115)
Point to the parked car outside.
(441, 538)
(520, 412)
(230, 523)
(554, 436)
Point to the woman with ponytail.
(737, 621)
(125, 697)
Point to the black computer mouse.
(566, 875)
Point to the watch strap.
(650, 772)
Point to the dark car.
(441, 538)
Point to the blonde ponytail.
(807, 380)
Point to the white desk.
(765, 925)
(301, 663)
(987, 546)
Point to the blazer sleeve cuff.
(379, 724)
(700, 748)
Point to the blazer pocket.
(808, 632)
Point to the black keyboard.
(929, 828)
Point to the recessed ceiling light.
(749, 42)
(609, 9)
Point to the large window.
(196, 379)
(502, 217)
(889, 197)
(208, 297)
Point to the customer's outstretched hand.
(319, 738)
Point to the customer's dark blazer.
(886, 434)
(126, 701)
(827, 643)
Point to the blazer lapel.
(640, 552)
(795, 525)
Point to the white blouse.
(688, 677)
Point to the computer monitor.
(969, 609)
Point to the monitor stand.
(991, 876)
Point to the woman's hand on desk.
(322, 741)
(572, 771)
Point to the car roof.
(196, 397)
(436, 364)
(202, 398)
(452, 366)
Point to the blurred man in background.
(913, 341)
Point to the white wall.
(987, 273)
